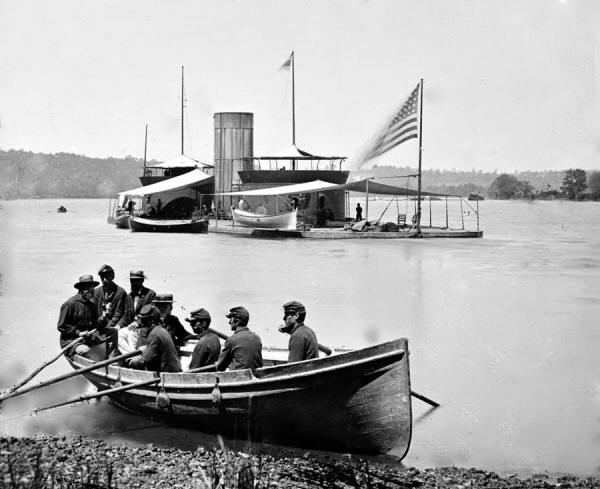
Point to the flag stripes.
(403, 127)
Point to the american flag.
(402, 127)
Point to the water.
(503, 331)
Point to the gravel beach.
(64, 462)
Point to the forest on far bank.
(65, 175)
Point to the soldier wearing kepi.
(160, 354)
(303, 343)
(164, 303)
(243, 349)
(109, 297)
(207, 350)
(139, 296)
(79, 317)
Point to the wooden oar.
(60, 378)
(87, 397)
(44, 365)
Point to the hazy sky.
(509, 85)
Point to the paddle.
(323, 348)
(60, 378)
(87, 397)
(43, 366)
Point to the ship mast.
(182, 104)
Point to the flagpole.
(182, 103)
(420, 157)
(293, 104)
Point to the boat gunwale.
(252, 380)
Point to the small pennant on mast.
(287, 63)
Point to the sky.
(509, 85)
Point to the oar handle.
(60, 378)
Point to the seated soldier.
(243, 349)
(160, 354)
(79, 319)
(207, 350)
(164, 303)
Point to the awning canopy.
(294, 153)
(385, 189)
(181, 161)
(190, 179)
(321, 186)
(296, 188)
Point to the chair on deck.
(402, 220)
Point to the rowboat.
(358, 401)
(143, 224)
(122, 220)
(285, 220)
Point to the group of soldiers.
(103, 312)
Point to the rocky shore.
(62, 462)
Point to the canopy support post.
(446, 212)
(462, 214)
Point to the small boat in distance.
(285, 220)
(357, 401)
(62, 208)
(142, 224)
(475, 197)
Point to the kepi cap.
(198, 314)
(85, 282)
(136, 275)
(238, 312)
(148, 311)
(163, 298)
(294, 306)
(105, 269)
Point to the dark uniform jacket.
(176, 330)
(76, 315)
(206, 351)
(160, 354)
(146, 296)
(243, 349)
(111, 303)
(302, 344)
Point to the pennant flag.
(402, 127)
(286, 65)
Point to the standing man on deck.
(243, 349)
(303, 344)
(164, 303)
(79, 317)
(208, 348)
(160, 354)
(358, 213)
(110, 298)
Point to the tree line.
(66, 175)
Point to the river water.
(503, 331)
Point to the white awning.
(181, 161)
(297, 188)
(190, 179)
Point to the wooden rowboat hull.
(122, 221)
(141, 224)
(287, 220)
(356, 402)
